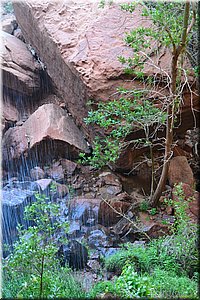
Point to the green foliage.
(32, 269)
(167, 18)
(131, 285)
(7, 7)
(169, 285)
(102, 3)
(153, 211)
(144, 206)
(119, 118)
(58, 283)
(144, 259)
(180, 205)
(178, 251)
(183, 244)
(101, 288)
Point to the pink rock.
(44, 183)
(20, 72)
(56, 172)
(68, 166)
(110, 214)
(6, 23)
(10, 114)
(83, 50)
(180, 171)
(49, 121)
(37, 173)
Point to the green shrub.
(101, 288)
(144, 206)
(131, 285)
(144, 259)
(168, 285)
(116, 262)
(58, 283)
(32, 269)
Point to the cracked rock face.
(49, 121)
(20, 72)
(80, 44)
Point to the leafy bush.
(58, 283)
(131, 285)
(119, 118)
(143, 259)
(168, 285)
(101, 288)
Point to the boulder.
(6, 23)
(74, 229)
(10, 113)
(56, 173)
(20, 71)
(98, 238)
(107, 192)
(122, 227)
(180, 171)
(85, 210)
(68, 166)
(44, 184)
(111, 211)
(61, 190)
(79, 45)
(74, 254)
(155, 230)
(37, 173)
(110, 178)
(14, 200)
(48, 123)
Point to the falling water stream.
(19, 190)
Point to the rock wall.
(80, 44)
(20, 72)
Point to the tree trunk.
(171, 109)
(41, 277)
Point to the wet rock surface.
(20, 72)
(80, 43)
(101, 207)
(15, 198)
(110, 212)
(48, 122)
(74, 254)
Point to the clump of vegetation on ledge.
(166, 267)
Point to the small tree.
(34, 254)
(172, 24)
